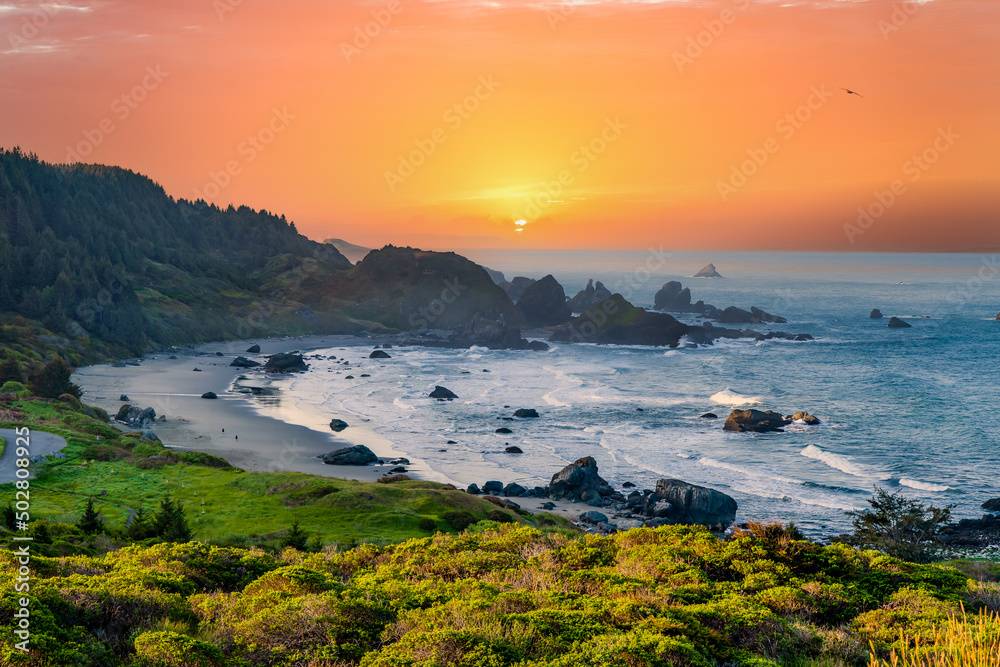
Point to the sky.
(535, 124)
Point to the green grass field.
(226, 505)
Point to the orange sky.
(602, 123)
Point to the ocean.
(907, 410)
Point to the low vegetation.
(499, 594)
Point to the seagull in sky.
(852, 92)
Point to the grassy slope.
(226, 505)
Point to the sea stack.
(876, 314)
(708, 271)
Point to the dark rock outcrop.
(896, 323)
(673, 296)
(734, 315)
(503, 430)
(756, 421)
(526, 413)
(514, 490)
(254, 349)
(876, 314)
(135, 417)
(356, 455)
(443, 393)
(689, 503)
(591, 295)
(243, 362)
(992, 505)
(580, 482)
(379, 354)
(593, 517)
(409, 289)
(709, 415)
(285, 362)
(211, 395)
(616, 321)
(473, 489)
(516, 287)
(338, 425)
(513, 449)
(708, 271)
(544, 303)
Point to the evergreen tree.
(170, 522)
(9, 517)
(53, 380)
(10, 370)
(90, 521)
(139, 527)
(296, 537)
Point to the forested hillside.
(106, 260)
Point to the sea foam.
(842, 463)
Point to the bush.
(53, 380)
(170, 649)
(900, 527)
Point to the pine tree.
(138, 528)
(296, 537)
(9, 517)
(90, 522)
(170, 522)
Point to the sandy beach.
(242, 427)
(231, 426)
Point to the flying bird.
(852, 92)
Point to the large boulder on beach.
(690, 503)
(756, 421)
(896, 323)
(243, 362)
(443, 393)
(544, 303)
(254, 349)
(338, 425)
(285, 362)
(356, 455)
(708, 271)
(379, 354)
(135, 417)
(580, 482)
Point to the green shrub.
(170, 649)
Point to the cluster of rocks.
(979, 533)
(764, 421)
(590, 296)
(672, 501)
(674, 297)
(134, 416)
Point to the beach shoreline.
(244, 428)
